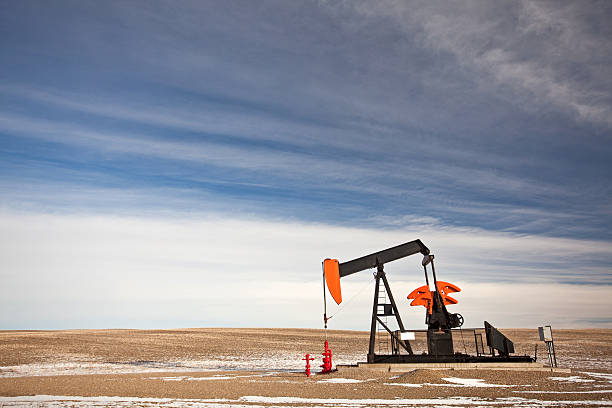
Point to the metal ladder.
(381, 334)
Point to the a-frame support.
(380, 274)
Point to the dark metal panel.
(497, 341)
(387, 310)
(440, 343)
(382, 257)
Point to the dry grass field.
(263, 368)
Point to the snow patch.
(405, 384)
(581, 362)
(570, 392)
(213, 377)
(572, 378)
(421, 403)
(219, 377)
(340, 381)
(189, 378)
(603, 376)
(455, 382)
(114, 402)
(295, 402)
(469, 382)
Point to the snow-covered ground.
(458, 382)
(275, 362)
(572, 379)
(600, 376)
(215, 377)
(342, 381)
(594, 386)
(582, 362)
(268, 362)
(49, 401)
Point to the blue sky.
(484, 126)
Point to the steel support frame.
(380, 274)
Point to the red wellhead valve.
(327, 360)
(308, 360)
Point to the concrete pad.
(405, 367)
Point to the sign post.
(547, 337)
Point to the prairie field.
(222, 367)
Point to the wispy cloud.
(245, 268)
(264, 166)
(226, 119)
(536, 58)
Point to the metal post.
(552, 343)
(324, 302)
(373, 325)
(436, 293)
(549, 350)
(433, 271)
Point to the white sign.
(407, 336)
(545, 333)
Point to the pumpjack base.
(406, 367)
(453, 358)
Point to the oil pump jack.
(437, 318)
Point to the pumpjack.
(440, 322)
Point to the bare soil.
(166, 364)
